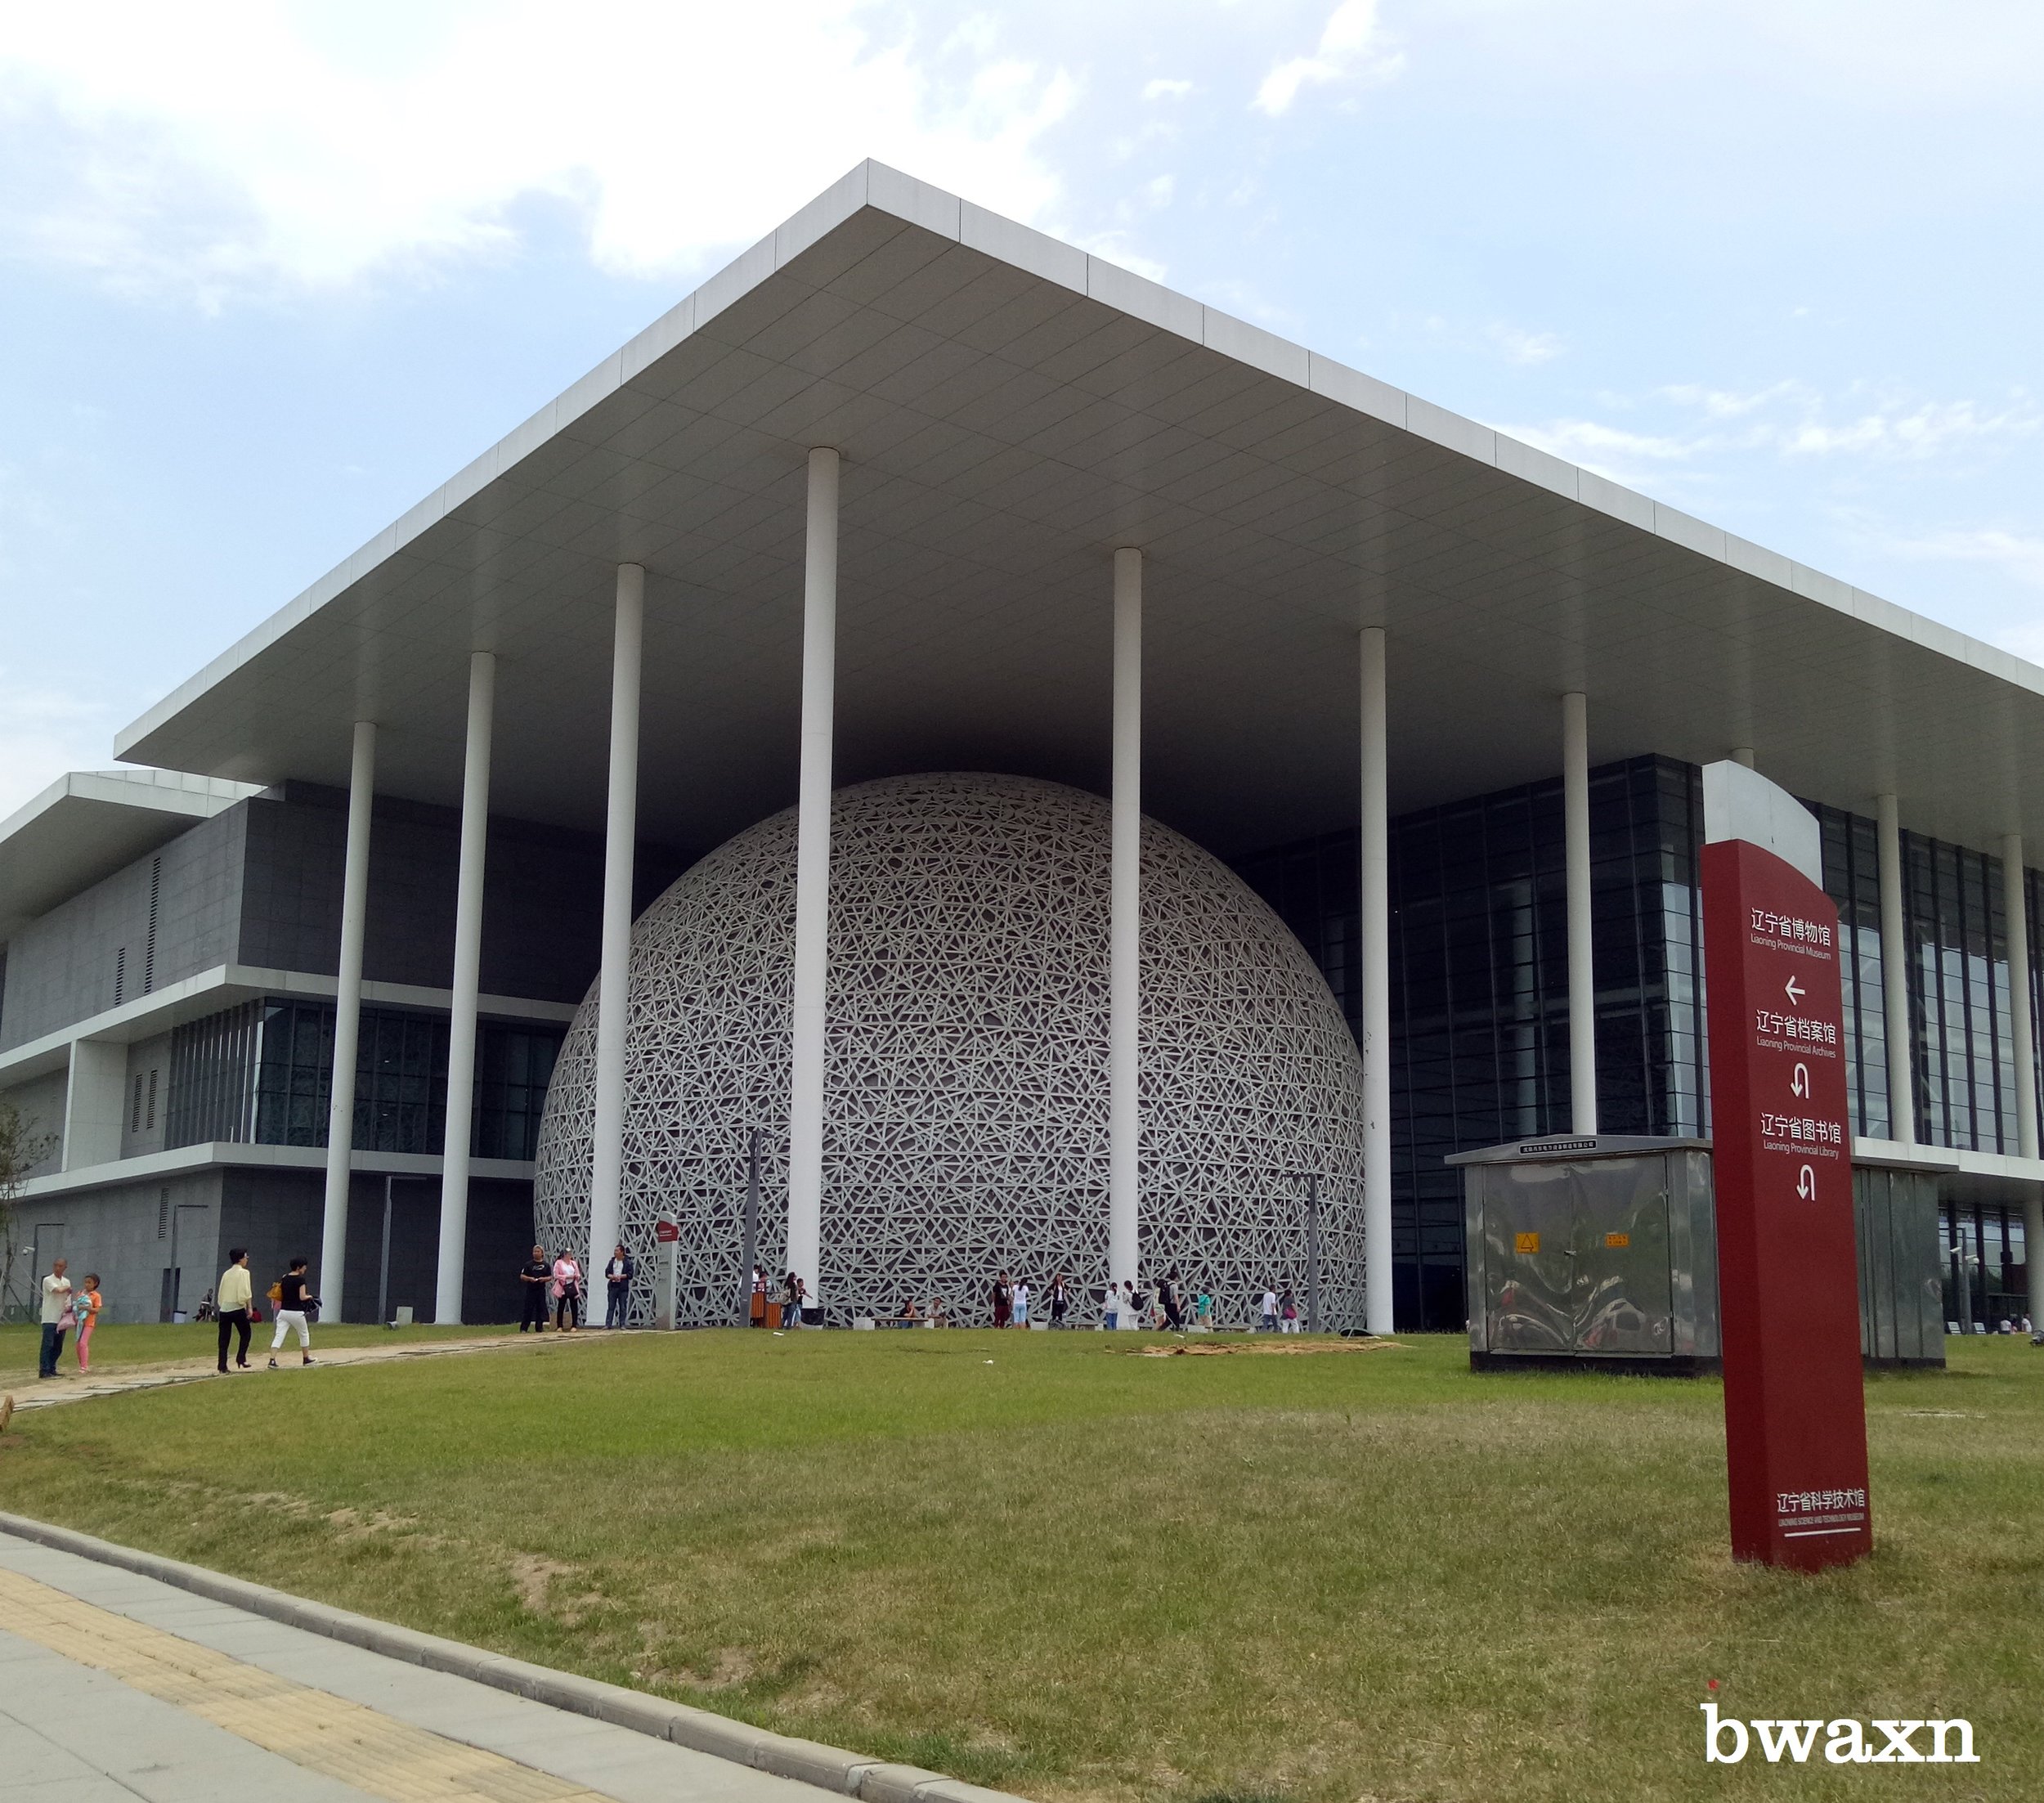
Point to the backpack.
(276, 1291)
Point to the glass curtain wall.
(261, 1073)
(1480, 974)
(1479, 1003)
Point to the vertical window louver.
(120, 974)
(149, 941)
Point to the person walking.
(85, 1305)
(295, 1304)
(1267, 1311)
(1110, 1307)
(1060, 1300)
(1132, 1315)
(1021, 1302)
(534, 1275)
(567, 1292)
(58, 1317)
(1289, 1312)
(232, 1297)
(791, 1289)
(1003, 1300)
(617, 1284)
(1167, 1296)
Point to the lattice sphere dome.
(966, 1086)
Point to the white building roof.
(1010, 410)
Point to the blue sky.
(269, 272)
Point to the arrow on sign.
(1800, 1083)
(1806, 1184)
(1794, 991)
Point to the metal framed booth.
(1600, 1251)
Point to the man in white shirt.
(231, 1299)
(1021, 1302)
(56, 1303)
(1269, 1311)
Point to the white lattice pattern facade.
(966, 1093)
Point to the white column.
(461, 1017)
(1124, 928)
(619, 833)
(1894, 974)
(2016, 904)
(1743, 754)
(813, 876)
(1374, 912)
(1582, 975)
(2016, 907)
(348, 1024)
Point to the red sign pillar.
(1788, 1283)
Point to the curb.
(702, 1730)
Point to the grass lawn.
(118, 1348)
(1039, 1561)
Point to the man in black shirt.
(535, 1275)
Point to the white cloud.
(1163, 88)
(1522, 346)
(2014, 553)
(1789, 418)
(44, 732)
(224, 144)
(1606, 449)
(1346, 48)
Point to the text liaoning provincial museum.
(1077, 782)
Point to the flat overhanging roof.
(1011, 409)
(89, 824)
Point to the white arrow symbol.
(1794, 990)
(1800, 1083)
(1806, 1184)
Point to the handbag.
(67, 1319)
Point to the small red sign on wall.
(1795, 1408)
(666, 1230)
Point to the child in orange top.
(87, 1305)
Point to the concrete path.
(69, 1386)
(114, 1686)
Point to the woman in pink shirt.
(567, 1292)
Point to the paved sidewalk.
(69, 1386)
(114, 1686)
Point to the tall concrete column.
(812, 876)
(620, 833)
(1894, 974)
(1582, 975)
(2016, 905)
(1124, 929)
(348, 1024)
(1374, 924)
(468, 979)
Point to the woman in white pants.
(293, 1306)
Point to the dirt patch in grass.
(1284, 1347)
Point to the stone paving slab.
(143, 1745)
